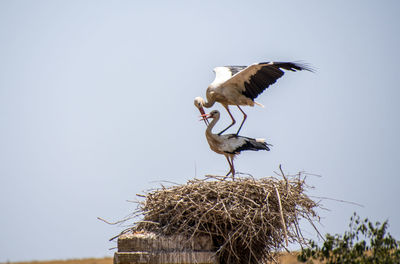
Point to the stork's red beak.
(203, 116)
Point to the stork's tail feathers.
(257, 103)
(261, 145)
(257, 144)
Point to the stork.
(240, 85)
(230, 145)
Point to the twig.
(111, 223)
(282, 218)
(337, 200)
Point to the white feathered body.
(232, 144)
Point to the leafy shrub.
(364, 243)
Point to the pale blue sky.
(96, 105)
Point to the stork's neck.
(211, 125)
(210, 95)
(209, 103)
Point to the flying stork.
(240, 85)
(230, 145)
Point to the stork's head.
(213, 114)
(199, 102)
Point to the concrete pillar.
(149, 248)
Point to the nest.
(248, 219)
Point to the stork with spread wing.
(240, 85)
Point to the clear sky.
(96, 105)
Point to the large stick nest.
(248, 219)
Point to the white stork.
(230, 145)
(240, 85)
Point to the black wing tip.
(305, 66)
(266, 146)
(253, 144)
(291, 66)
(250, 144)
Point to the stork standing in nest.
(230, 145)
(240, 85)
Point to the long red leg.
(244, 118)
(232, 168)
(233, 120)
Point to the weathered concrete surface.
(164, 258)
(150, 241)
(140, 248)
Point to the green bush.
(364, 243)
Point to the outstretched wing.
(222, 74)
(254, 79)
